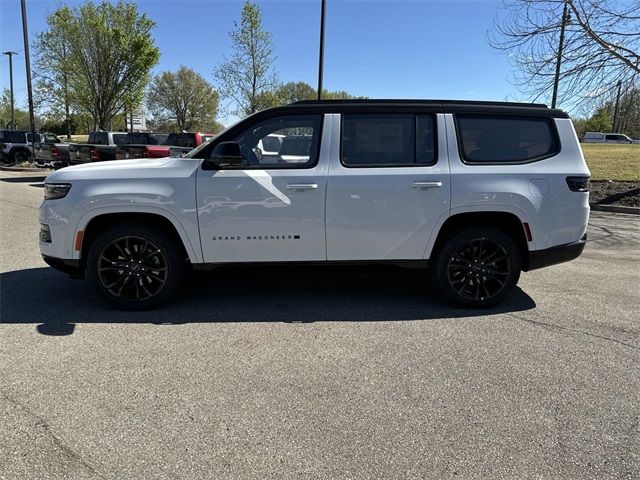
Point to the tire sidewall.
(20, 156)
(175, 265)
(457, 240)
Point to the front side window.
(282, 142)
(505, 139)
(387, 140)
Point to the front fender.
(191, 244)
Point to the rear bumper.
(555, 255)
(71, 267)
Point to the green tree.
(296, 91)
(184, 96)
(21, 115)
(108, 55)
(51, 72)
(600, 121)
(248, 78)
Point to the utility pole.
(321, 61)
(615, 111)
(27, 63)
(556, 79)
(10, 54)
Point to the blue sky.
(379, 49)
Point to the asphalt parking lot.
(320, 372)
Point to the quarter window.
(497, 139)
(387, 140)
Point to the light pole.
(556, 78)
(321, 61)
(27, 63)
(10, 54)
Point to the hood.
(125, 169)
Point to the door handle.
(426, 184)
(302, 186)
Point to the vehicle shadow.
(57, 303)
(31, 179)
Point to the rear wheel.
(20, 156)
(477, 268)
(134, 267)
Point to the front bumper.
(555, 255)
(71, 267)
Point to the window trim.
(434, 119)
(464, 159)
(206, 165)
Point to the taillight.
(94, 155)
(578, 184)
(54, 152)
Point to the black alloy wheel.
(134, 266)
(478, 267)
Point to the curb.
(615, 209)
(23, 169)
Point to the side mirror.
(227, 154)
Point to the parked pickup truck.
(51, 152)
(476, 192)
(143, 145)
(100, 147)
(181, 143)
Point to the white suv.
(477, 191)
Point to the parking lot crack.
(553, 326)
(42, 424)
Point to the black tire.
(134, 267)
(477, 268)
(20, 156)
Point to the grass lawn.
(612, 161)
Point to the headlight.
(56, 190)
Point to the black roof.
(444, 106)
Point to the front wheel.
(477, 268)
(134, 267)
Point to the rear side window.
(505, 139)
(387, 140)
(98, 138)
(13, 137)
(120, 138)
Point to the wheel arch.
(507, 222)
(94, 225)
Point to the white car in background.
(598, 137)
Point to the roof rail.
(418, 102)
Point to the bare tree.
(601, 47)
(247, 78)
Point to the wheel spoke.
(132, 280)
(479, 269)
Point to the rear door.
(389, 186)
(266, 212)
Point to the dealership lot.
(319, 372)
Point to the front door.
(389, 186)
(272, 208)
